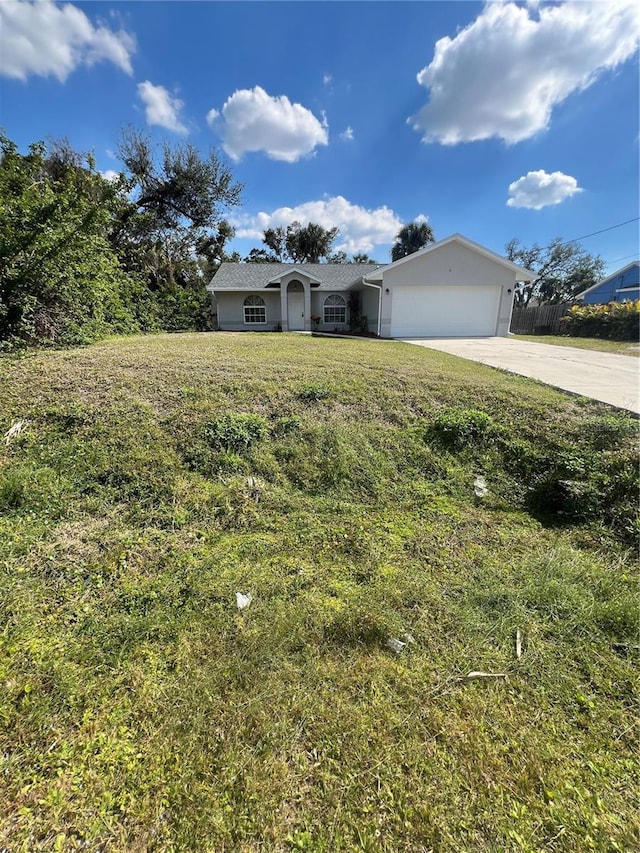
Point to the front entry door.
(295, 311)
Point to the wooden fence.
(543, 320)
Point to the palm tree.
(410, 238)
(309, 243)
(363, 258)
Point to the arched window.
(335, 310)
(255, 310)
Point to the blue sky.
(496, 120)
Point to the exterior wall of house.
(369, 300)
(231, 311)
(230, 308)
(454, 265)
(317, 310)
(606, 292)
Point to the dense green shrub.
(285, 426)
(457, 428)
(585, 484)
(605, 431)
(181, 308)
(618, 321)
(567, 500)
(313, 393)
(236, 431)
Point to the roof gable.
(521, 273)
(295, 269)
(617, 274)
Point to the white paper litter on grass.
(395, 645)
(480, 487)
(243, 600)
(14, 430)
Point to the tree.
(211, 249)
(309, 243)
(363, 258)
(60, 280)
(174, 195)
(171, 228)
(260, 256)
(275, 239)
(410, 238)
(180, 188)
(297, 243)
(563, 270)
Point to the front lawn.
(338, 483)
(599, 344)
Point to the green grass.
(334, 481)
(599, 344)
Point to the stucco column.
(284, 317)
(307, 305)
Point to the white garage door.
(444, 312)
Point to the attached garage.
(453, 288)
(444, 312)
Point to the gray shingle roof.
(254, 276)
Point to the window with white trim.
(335, 310)
(255, 310)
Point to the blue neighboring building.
(620, 286)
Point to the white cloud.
(46, 39)
(503, 74)
(252, 120)
(347, 134)
(360, 229)
(536, 190)
(110, 175)
(327, 79)
(161, 108)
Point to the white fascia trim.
(278, 278)
(521, 273)
(240, 289)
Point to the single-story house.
(452, 288)
(622, 285)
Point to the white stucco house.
(452, 288)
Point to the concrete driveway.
(604, 376)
